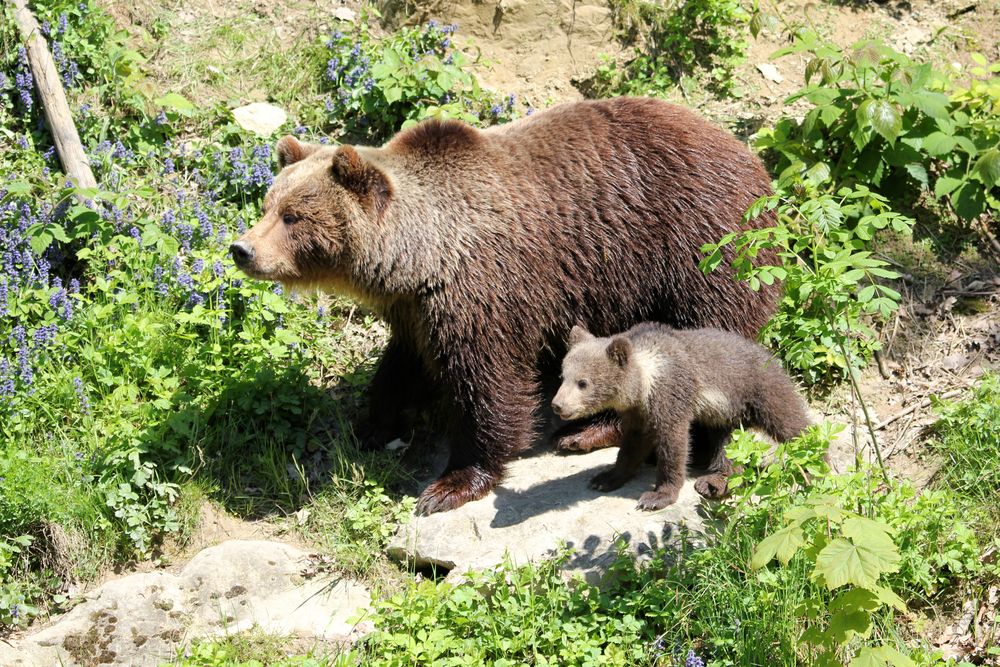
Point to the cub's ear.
(361, 177)
(578, 335)
(619, 350)
(290, 150)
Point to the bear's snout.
(242, 253)
(559, 408)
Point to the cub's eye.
(582, 384)
(289, 218)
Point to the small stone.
(770, 72)
(260, 118)
(345, 14)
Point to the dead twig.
(53, 97)
(916, 406)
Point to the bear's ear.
(619, 350)
(290, 150)
(578, 335)
(361, 177)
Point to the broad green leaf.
(887, 596)
(861, 528)
(969, 201)
(39, 242)
(842, 562)
(847, 623)
(17, 187)
(934, 105)
(177, 102)
(781, 545)
(391, 58)
(880, 656)
(988, 167)
(918, 172)
(939, 143)
(946, 185)
(392, 94)
(881, 116)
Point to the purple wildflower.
(168, 166)
(198, 265)
(81, 395)
(693, 660)
(218, 268)
(204, 224)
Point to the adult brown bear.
(482, 248)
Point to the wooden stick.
(43, 68)
(916, 406)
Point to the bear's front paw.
(586, 437)
(712, 486)
(609, 480)
(454, 489)
(657, 500)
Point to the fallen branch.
(916, 406)
(50, 91)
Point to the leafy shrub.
(882, 119)
(381, 86)
(675, 40)
(831, 280)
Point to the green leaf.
(39, 242)
(969, 201)
(881, 116)
(392, 94)
(842, 562)
(988, 167)
(880, 656)
(178, 103)
(847, 623)
(934, 105)
(939, 143)
(946, 185)
(781, 545)
(918, 172)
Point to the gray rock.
(142, 619)
(545, 502)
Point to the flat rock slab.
(543, 503)
(142, 619)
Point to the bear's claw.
(588, 435)
(712, 486)
(657, 500)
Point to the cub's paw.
(609, 480)
(454, 489)
(657, 500)
(712, 486)
(586, 437)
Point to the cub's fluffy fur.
(671, 386)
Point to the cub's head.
(321, 202)
(594, 373)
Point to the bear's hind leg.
(778, 409)
(401, 382)
(712, 440)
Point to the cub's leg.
(635, 449)
(777, 407)
(712, 440)
(673, 444)
(585, 435)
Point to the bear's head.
(595, 373)
(314, 217)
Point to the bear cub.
(679, 393)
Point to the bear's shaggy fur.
(481, 248)
(669, 385)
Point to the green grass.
(967, 438)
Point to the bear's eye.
(582, 384)
(289, 218)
